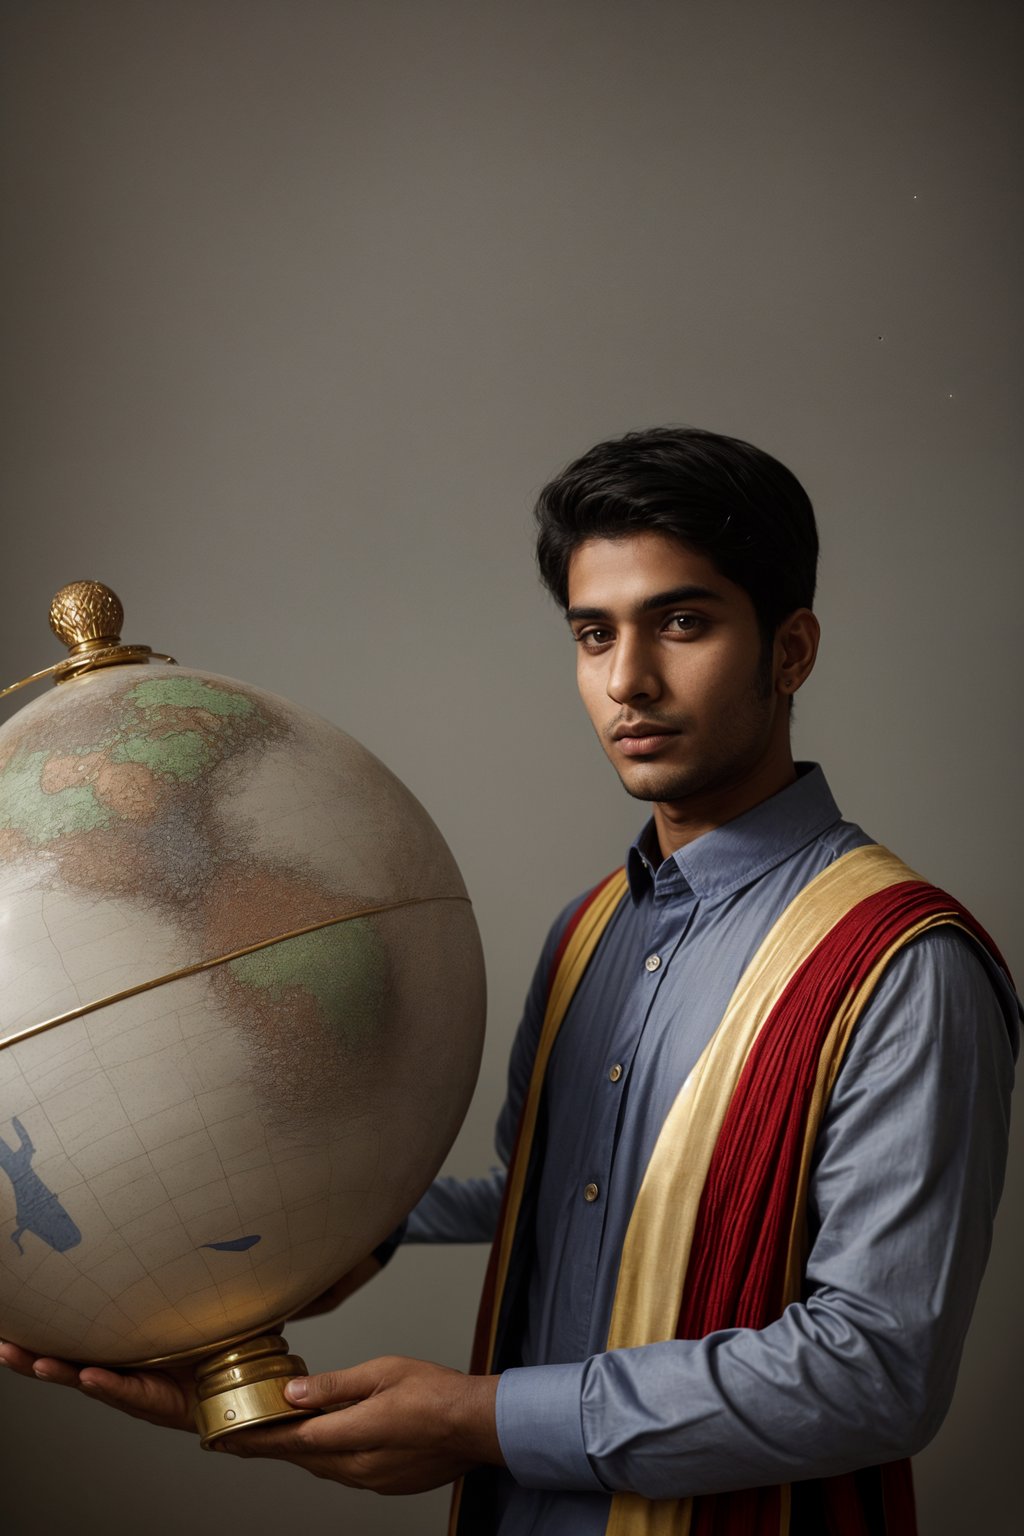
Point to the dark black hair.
(719, 496)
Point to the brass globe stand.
(244, 1385)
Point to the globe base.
(244, 1385)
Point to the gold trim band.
(194, 1356)
(567, 978)
(656, 1251)
(208, 965)
(33, 677)
(74, 666)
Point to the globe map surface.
(241, 1011)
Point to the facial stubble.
(722, 769)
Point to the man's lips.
(640, 739)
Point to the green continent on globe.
(183, 755)
(189, 693)
(163, 733)
(179, 727)
(343, 967)
(41, 816)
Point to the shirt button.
(652, 962)
(615, 1073)
(590, 1193)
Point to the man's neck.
(679, 822)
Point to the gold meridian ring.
(208, 965)
(33, 677)
(73, 666)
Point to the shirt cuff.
(540, 1428)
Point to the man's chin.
(658, 785)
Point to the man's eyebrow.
(685, 594)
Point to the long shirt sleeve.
(458, 1210)
(907, 1175)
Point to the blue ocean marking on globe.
(234, 1244)
(37, 1208)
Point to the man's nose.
(632, 674)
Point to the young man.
(757, 1113)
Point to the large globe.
(240, 1015)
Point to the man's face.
(671, 668)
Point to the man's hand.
(166, 1398)
(392, 1425)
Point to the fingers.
(155, 1396)
(393, 1440)
(110, 1387)
(39, 1367)
(152, 1395)
(281, 1441)
(304, 1445)
(60, 1372)
(295, 1439)
(336, 1389)
(245, 1444)
(57, 1371)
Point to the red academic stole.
(717, 1236)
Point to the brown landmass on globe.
(127, 807)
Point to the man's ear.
(796, 647)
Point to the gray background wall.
(303, 302)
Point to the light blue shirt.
(907, 1175)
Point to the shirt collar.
(731, 856)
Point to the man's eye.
(592, 638)
(685, 623)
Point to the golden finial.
(87, 616)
